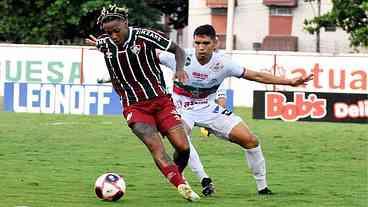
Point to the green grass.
(1, 103)
(53, 161)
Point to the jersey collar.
(129, 37)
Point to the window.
(287, 3)
(280, 11)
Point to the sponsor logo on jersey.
(201, 76)
(135, 49)
(149, 34)
(191, 103)
(216, 67)
(278, 107)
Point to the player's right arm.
(167, 59)
(267, 78)
(234, 69)
(180, 74)
(100, 43)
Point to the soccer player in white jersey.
(195, 102)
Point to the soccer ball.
(110, 187)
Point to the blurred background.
(42, 42)
(286, 25)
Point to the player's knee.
(183, 148)
(252, 141)
(185, 153)
(247, 141)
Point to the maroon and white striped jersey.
(134, 67)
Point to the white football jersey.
(204, 80)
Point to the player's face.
(204, 46)
(117, 30)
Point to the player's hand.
(181, 76)
(100, 42)
(301, 80)
(91, 40)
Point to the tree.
(58, 21)
(176, 11)
(350, 15)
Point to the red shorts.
(159, 112)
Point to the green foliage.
(57, 21)
(350, 15)
(176, 11)
(53, 161)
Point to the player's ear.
(217, 43)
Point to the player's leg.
(177, 137)
(241, 135)
(170, 124)
(226, 125)
(150, 136)
(195, 164)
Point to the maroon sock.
(181, 159)
(172, 173)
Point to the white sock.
(257, 164)
(195, 163)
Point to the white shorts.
(216, 119)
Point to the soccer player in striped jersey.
(195, 99)
(135, 73)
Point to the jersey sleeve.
(167, 59)
(233, 69)
(156, 39)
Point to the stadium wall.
(37, 64)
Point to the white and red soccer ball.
(110, 187)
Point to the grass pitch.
(53, 161)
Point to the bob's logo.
(278, 107)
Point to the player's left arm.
(180, 74)
(267, 78)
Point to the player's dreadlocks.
(112, 12)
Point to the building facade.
(275, 25)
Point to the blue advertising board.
(61, 99)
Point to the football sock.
(257, 164)
(181, 159)
(172, 173)
(195, 163)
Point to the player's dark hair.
(111, 13)
(207, 30)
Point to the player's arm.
(180, 74)
(267, 78)
(100, 42)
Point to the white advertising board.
(335, 74)
(75, 65)
(39, 64)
